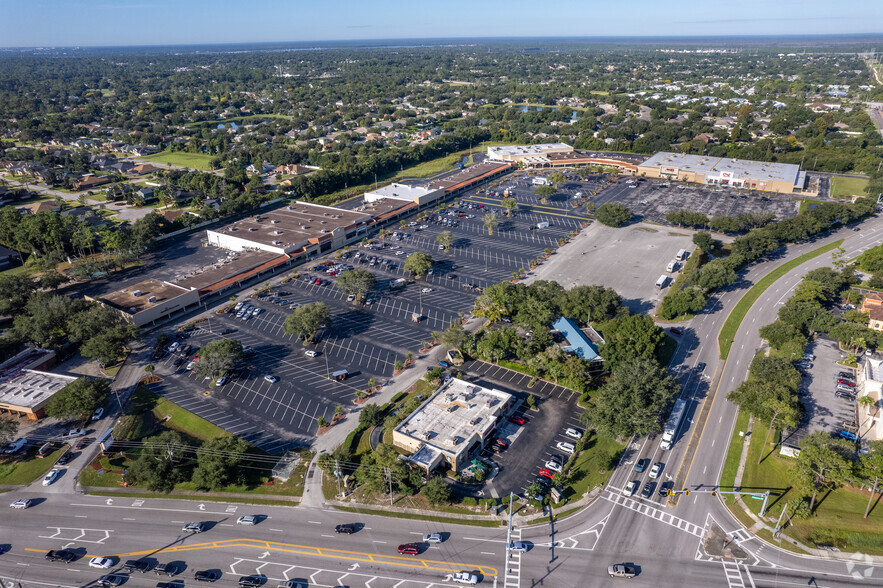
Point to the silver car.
(432, 538)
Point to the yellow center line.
(341, 554)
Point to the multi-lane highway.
(668, 543)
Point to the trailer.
(673, 423)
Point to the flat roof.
(292, 225)
(233, 264)
(30, 389)
(381, 206)
(466, 174)
(150, 292)
(874, 369)
(518, 150)
(741, 168)
(400, 192)
(454, 414)
(577, 340)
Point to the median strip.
(734, 320)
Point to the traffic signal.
(714, 492)
(686, 492)
(668, 492)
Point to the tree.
(558, 179)
(79, 399)
(306, 320)
(8, 429)
(109, 345)
(217, 357)
(15, 290)
(445, 239)
(490, 221)
(786, 412)
(630, 337)
(418, 264)
(382, 466)
(545, 192)
(632, 400)
(371, 415)
(778, 333)
(454, 336)
(509, 205)
(159, 464)
(356, 282)
(437, 491)
(823, 463)
(704, 241)
(613, 214)
(871, 468)
(218, 463)
(52, 279)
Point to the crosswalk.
(512, 575)
(652, 512)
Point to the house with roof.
(42, 206)
(873, 305)
(85, 214)
(90, 181)
(142, 169)
(578, 342)
(9, 258)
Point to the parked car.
(565, 446)
(174, 346)
(553, 466)
(82, 443)
(518, 420)
(622, 570)
(311, 353)
(574, 433)
(99, 412)
(271, 379)
(844, 395)
(15, 446)
(546, 473)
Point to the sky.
(55, 23)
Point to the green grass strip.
(214, 498)
(731, 326)
(420, 517)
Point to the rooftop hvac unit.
(257, 219)
(233, 229)
(427, 435)
(136, 292)
(450, 408)
(473, 422)
(456, 440)
(325, 231)
(277, 232)
(304, 227)
(132, 310)
(251, 229)
(124, 290)
(277, 242)
(274, 221)
(151, 299)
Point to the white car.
(221, 381)
(190, 365)
(101, 563)
(310, 353)
(518, 547)
(271, 379)
(15, 445)
(174, 347)
(574, 433)
(51, 476)
(21, 504)
(464, 578)
(565, 446)
(99, 412)
(656, 469)
(400, 252)
(257, 311)
(553, 465)
(630, 488)
(247, 520)
(426, 290)
(432, 538)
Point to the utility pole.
(389, 473)
(337, 475)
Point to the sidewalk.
(761, 524)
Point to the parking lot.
(650, 201)
(364, 339)
(824, 410)
(532, 444)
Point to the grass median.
(734, 320)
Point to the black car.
(647, 492)
(557, 459)
(250, 581)
(345, 529)
(207, 576)
(227, 331)
(165, 569)
(112, 580)
(61, 555)
(642, 464)
(182, 335)
(842, 394)
(186, 350)
(665, 487)
(846, 375)
(136, 565)
(178, 361)
(65, 458)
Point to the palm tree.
(490, 222)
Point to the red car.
(501, 442)
(318, 281)
(547, 473)
(518, 420)
(82, 443)
(409, 549)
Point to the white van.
(662, 282)
(682, 255)
(672, 266)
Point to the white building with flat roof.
(526, 153)
(869, 380)
(451, 424)
(409, 193)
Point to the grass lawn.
(174, 416)
(422, 517)
(235, 499)
(593, 466)
(181, 158)
(838, 516)
(848, 187)
(731, 326)
(27, 467)
(731, 463)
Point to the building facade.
(782, 178)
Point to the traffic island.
(716, 543)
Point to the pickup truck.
(622, 570)
(61, 555)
